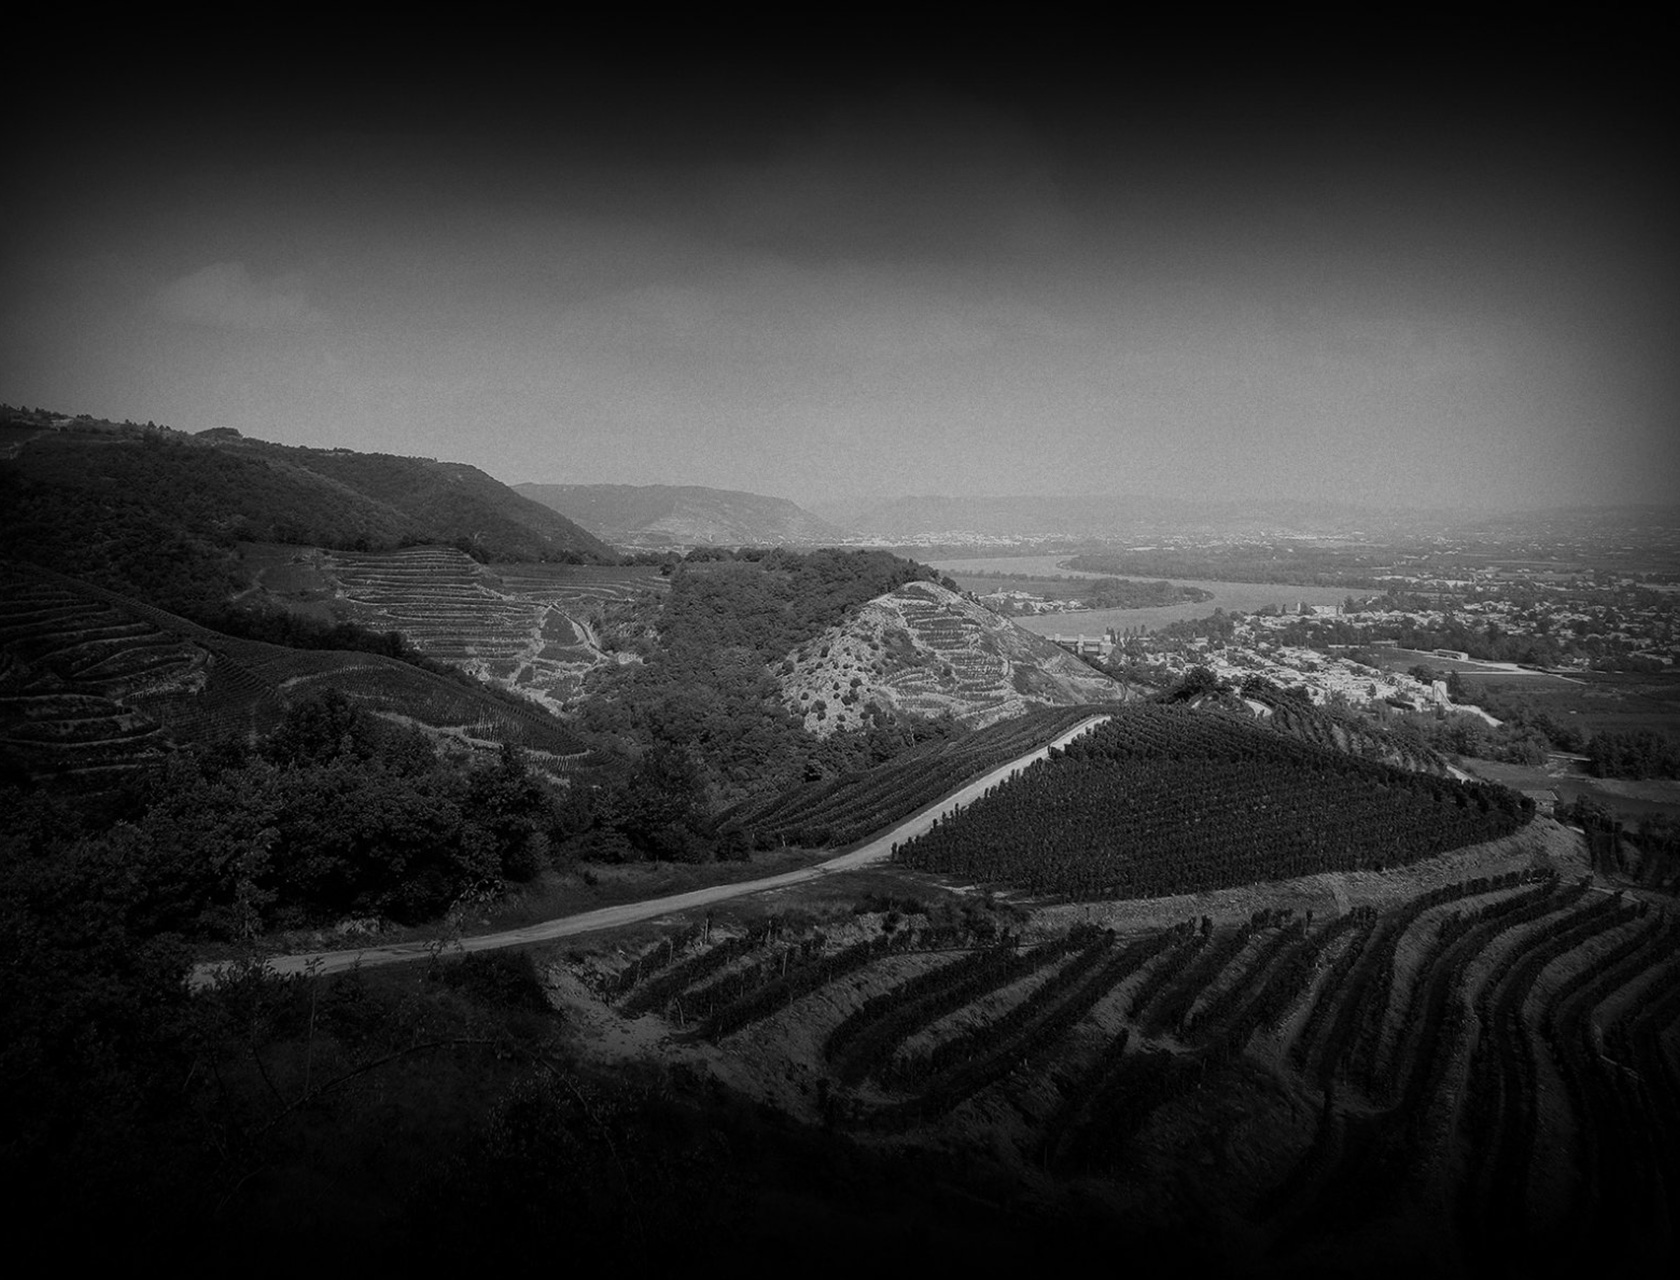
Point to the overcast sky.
(1426, 280)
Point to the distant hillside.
(684, 515)
(155, 513)
(1093, 518)
(925, 649)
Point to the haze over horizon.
(1431, 281)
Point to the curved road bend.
(875, 850)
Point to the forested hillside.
(704, 700)
(155, 513)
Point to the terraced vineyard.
(521, 626)
(1164, 800)
(96, 688)
(841, 810)
(78, 675)
(1506, 1046)
(979, 677)
(929, 651)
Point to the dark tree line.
(1634, 753)
(334, 814)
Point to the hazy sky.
(1425, 280)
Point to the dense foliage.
(304, 631)
(156, 516)
(335, 814)
(121, 538)
(1124, 593)
(705, 687)
(1635, 753)
(371, 1118)
(1284, 563)
(1162, 800)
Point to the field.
(1165, 800)
(1594, 700)
(1587, 702)
(1431, 1070)
(1561, 781)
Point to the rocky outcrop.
(930, 651)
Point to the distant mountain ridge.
(1102, 517)
(658, 515)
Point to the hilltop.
(155, 513)
(661, 515)
(1294, 715)
(926, 650)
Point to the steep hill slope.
(525, 627)
(659, 515)
(452, 500)
(95, 688)
(925, 649)
(154, 513)
(1422, 1069)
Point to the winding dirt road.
(876, 850)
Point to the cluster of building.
(1091, 648)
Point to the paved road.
(875, 850)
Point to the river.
(1233, 597)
